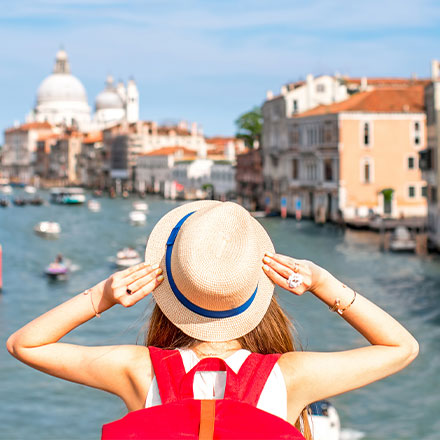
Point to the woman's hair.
(274, 334)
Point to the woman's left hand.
(279, 268)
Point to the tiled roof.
(166, 151)
(382, 100)
(91, 138)
(30, 126)
(388, 82)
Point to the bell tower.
(132, 102)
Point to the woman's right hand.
(129, 286)
(279, 268)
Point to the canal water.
(36, 406)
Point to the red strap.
(169, 371)
(251, 378)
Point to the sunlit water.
(36, 406)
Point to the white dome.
(61, 87)
(108, 99)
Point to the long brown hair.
(274, 334)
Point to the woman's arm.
(106, 368)
(315, 376)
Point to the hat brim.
(193, 324)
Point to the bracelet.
(336, 308)
(86, 292)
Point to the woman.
(212, 269)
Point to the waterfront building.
(20, 148)
(93, 162)
(430, 157)
(249, 176)
(154, 169)
(355, 158)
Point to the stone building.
(249, 177)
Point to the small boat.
(19, 202)
(4, 203)
(36, 201)
(324, 421)
(127, 257)
(67, 196)
(6, 189)
(402, 240)
(47, 229)
(57, 271)
(137, 217)
(30, 189)
(258, 214)
(139, 205)
(94, 205)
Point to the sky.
(208, 60)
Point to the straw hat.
(214, 287)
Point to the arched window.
(366, 133)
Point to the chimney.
(364, 83)
(194, 129)
(269, 95)
(283, 90)
(435, 70)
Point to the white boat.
(324, 421)
(6, 189)
(402, 240)
(67, 196)
(137, 217)
(30, 189)
(127, 257)
(47, 229)
(94, 205)
(139, 205)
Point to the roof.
(382, 100)
(163, 129)
(30, 126)
(220, 140)
(45, 137)
(388, 82)
(166, 151)
(91, 138)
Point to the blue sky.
(209, 60)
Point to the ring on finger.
(296, 267)
(129, 291)
(295, 280)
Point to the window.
(367, 175)
(328, 170)
(367, 170)
(366, 133)
(295, 106)
(411, 191)
(411, 163)
(320, 88)
(425, 191)
(417, 133)
(295, 169)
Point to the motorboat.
(57, 271)
(47, 229)
(4, 203)
(19, 202)
(402, 240)
(36, 201)
(324, 421)
(67, 196)
(6, 189)
(139, 205)
(127, 257)
(137, 217)
(30, 189)
(94, 205)
(258, 214)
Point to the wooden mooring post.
(1, 278)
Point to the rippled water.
(36, 406)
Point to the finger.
(130, 300)
(283, 259)
(145, 279)
(278, 279)
(282, 269)
(139, 273)
(132, 269)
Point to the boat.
(47, 229)
(30, 189)
(139, 205)
(67, 196)
(6, 189)
(57, 271)
(258, 214)
(36, 201)
(4, 203)
(19, 202)
(402, 240)
(324, 421)
(137, 217)
(94, 205)
(127, 257)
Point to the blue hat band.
(182, 298)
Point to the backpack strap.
(169, 371)
(251, 378)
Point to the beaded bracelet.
(339, 310)
(86, 292)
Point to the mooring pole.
(1, 279)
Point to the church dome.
(61, 85)
(109, 97)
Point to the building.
(430, 157)
(93, 162)
(249, 177)
(354, 158)
(20, 149)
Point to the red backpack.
(182, 417)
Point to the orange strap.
(207, 419)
